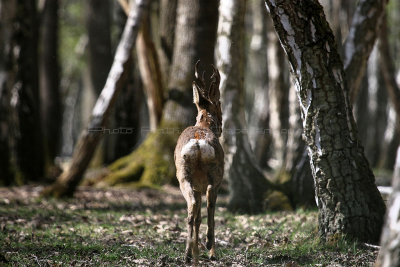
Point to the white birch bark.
(246, 181)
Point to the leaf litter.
(146, 227)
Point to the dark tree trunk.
(49, 80)
(98, 24)
(347, 197)
(152, 162)
(167, 36)
(246, 181)
(99, 42)
(66, 183)
(25, 94)
(7, 13)
(389, 254)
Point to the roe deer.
(199, 161)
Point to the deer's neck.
(206, 120)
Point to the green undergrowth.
(147, 228)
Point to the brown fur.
(199, 161)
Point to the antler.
(212, 94)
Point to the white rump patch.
(195, 146)
(206, 150)
(190, 149)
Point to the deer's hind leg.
(192, 209)
(197, 222)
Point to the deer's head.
(207, 101)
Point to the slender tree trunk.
(347, 197)
(259, 135)
(389, 254)
(49, 80)
(150, 72)
(7, 13)
(90, 137)
(278, 98)
(127, 115)
(389, 74)
(246, 181)
(152, 162)
(360, 41)
(25, 94)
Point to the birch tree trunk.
(90, 137)
(246, 181)
(354, 47)
(347, 197)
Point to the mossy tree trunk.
(66, 183)
(247, 184)
(347, 197)
(152, 162)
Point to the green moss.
(151, 164)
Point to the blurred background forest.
(55, 57)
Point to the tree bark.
(49, 80)
(150, 72)
(257, 66)
(388, 69)
(25, 94)
(152, 162)
(247, 183)
(99, 42)
(278, 98)
(360, 41)
(389, 254)
(168, 10)
(347, 197)
(90, 137)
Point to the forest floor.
(120, 227)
